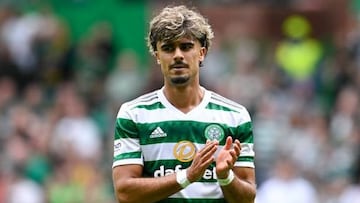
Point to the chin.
(180, 81)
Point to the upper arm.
(123, 172)
(127, 171)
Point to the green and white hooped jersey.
(151, 132)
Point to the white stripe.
(127, 161)
(151, 152)
(126, 145)
(146, 97)
(200, 190)
(247, 149)
(164, 151)
(245, 164)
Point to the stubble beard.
(180, 80)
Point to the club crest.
(214, 132)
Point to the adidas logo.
(158, 132)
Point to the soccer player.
(182, 142)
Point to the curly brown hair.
(179, 21)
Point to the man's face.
(180, 60)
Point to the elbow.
(249, 199)
(252, 196)
(122, 197)
(251, 192)
(122, 194)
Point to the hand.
(202, 160)
(227, 157)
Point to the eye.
(167, 48)
(186, 46)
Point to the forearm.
(239, 191)
(130, 186)
(237, 183)
(146, 190)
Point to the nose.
(178, 54)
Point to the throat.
(186, 109)
(186, 100)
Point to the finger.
(234, 156)
(206, 153)
(237, 142)
(230, 164)
(209, 146)
(209, 154)
(237, 147)
(207, 161)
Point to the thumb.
(228, 143)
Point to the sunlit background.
(66, 66)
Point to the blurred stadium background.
(67, 65)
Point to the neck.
(184, 98)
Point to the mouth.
(178, 66)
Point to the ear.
(157, 57)
(203, 52)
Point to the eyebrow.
(180, 43)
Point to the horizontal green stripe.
(191, 130)
(125, 128)
(128, 155)
(157, 105)
(245, 131)
(246, 158)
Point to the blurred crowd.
(58, 104)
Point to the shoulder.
(217, 99)
(145, 99)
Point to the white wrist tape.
(181, 178)
(228, 180)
